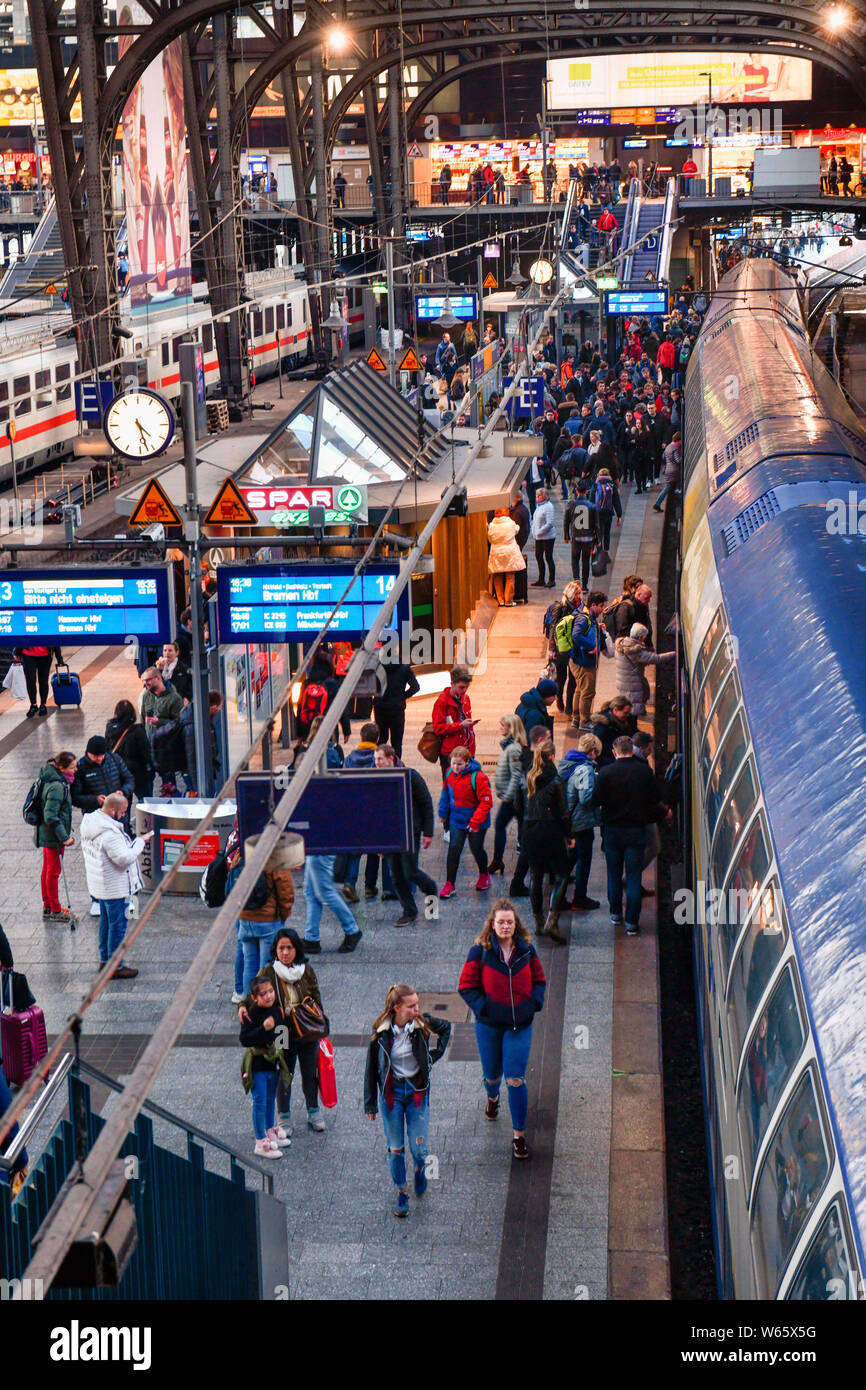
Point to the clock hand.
(145, 434)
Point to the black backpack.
(526, 757)
(33, 811)
(212, 888)
(260, 894)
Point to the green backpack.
(562, 633)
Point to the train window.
(791, 1180)
(732, 752)
(747, 875)
(62, 373)
(708, 646)
(166, 354)
(740, 806)
(722, 715)
(207, 337)
(20, 403)
(281, 316)
(304, 310)
(4, 390)
(42, 382)
(269, 321)
(719, 667)
(827, 1271)
(776, 1044)
(257, 323)
(175, 349)
(289, 316)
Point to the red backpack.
(313, 703)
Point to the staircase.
(42, 263)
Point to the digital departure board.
(291, 603)
(95, 605)
(648, 301)
(430, 306)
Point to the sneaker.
(420, 1179)
(238, 998)
(312, 948)
(631, 929)
(520, 1148)
(617, 921)
(448, 891)
(482, 883)
(42, 709)
(315, 1121)
(349, 942)
(64, 915)
(124, 972)
(491, 1109)
(284, 1122)
(349, 893)
(31, 711)
(406, 920)
(369, 894)
(46, 912)
(278, 1136)
(401, 1206)
(585, 905)
(265, 1149)
(94, 909)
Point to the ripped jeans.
(415, 1119)
(502, 1050)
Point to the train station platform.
(585, 1218)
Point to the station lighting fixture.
(335, 318)
(845, 241)
(837, 18)
(447, 319)
(337, 38)
(515, 279)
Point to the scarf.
(290, 973)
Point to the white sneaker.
(94, 909)
(285, 1124)
(237, 998)
(265, 1149)
(278, 1136)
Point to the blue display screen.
(650, 301)
(291, 603)
(430, 306)
(105, 605)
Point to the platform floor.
(584, 1219)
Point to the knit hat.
(639, 631)
(547, 688)
(97, 745)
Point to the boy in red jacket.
(464, 808)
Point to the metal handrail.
(161, 1113)
(629, 226)
(664, 260)
(27, 1125)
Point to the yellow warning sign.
(409, 361)
(50, 289)
(153, 506)
(229, 509)
(376, 360)
(490, 281)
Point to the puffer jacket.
(578, 773)
(499, 993)
(93, 780)
(505, 556)
(532, 711)
(56, 825)
(546, 805)
(509, 770)
(631, 658)
(278, 904)
(110, 857)
(466, 801)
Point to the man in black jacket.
(582, 529)
(397, 685)
(628, 796)
(97, 775)
(519, 514)
(405, 869)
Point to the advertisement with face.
(669, 79)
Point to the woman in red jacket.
(452, 718)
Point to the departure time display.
(291, 603)
(87, 605)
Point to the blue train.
(773, 614)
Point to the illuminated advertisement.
(19, 98)
(155, 179)
(666, 79)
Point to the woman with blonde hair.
(514, 763)
(505, 557)
(404, 1045)
(503, 983)
(545, 837)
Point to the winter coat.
(422, 804)
(277, 907)
(400, 685)
(93, 780)
(543, 525)
(632, 656)
(606, 729)
(505, 556)
(165, 707)
(466, 800)
(509, 770)
(448, 714)
(581, 521)
(545, 806)
(290, 993)
(130, 742)
(55, 826)
(500, 994)
(532, 711)
(628, 612)
(520, 514)
(587, 641)
(110, 857)
(577, 772)
(180, 679)
(427, 1048)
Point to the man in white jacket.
(543, 531)
(111, 865)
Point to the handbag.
(15, 682)
(308, 1021)
(430, 744)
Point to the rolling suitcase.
(66, 687)
(22, 1035)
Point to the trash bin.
(173, 821)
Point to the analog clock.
(139, 424)
(540, 272)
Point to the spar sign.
(283, 502)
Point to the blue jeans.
(663, 494)
(503, 1050)
(256, 949)
(416, 1121)
(604, 520)
(320, 891)
(264, 1093)
(112, 925)
(624, 849)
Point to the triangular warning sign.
(229, 509)
(490, 281)
(153, 506)
(50, 289)
(415, 151)
(409, 361)
(376, 360)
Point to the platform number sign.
(529, 398)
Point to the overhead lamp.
(515, 279)
(335, 319)
(447, 319)
(845, 241)
(838, 17)
(337, 38)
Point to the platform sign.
(352, 811)
(292, 602)
(529, 399)
(648, 301)
(376, 360)
(490, 281)
(88, 605)
(92, 399)
(409, 361)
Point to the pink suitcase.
(22, 1035)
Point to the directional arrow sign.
(376, 360)
(229, 508)
(153, 506)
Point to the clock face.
(540, 272)
(139, 424)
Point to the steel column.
(231, 333)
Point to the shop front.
(843, 143)
(733, 157)
(517, 166)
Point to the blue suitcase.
(66, 687)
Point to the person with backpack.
(311, 706)
(464, 809)
(113, 878)
(589, 640)
(583, 528)
(126, 738)
(347, 866)
(37, 668)
(577, 771)
(514, 762)
(561, 618)
(267, 908)
(535, 704)
(49, 809)
(545, 837)
(607, 502)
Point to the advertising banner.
(155, 180)
(665, 79)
